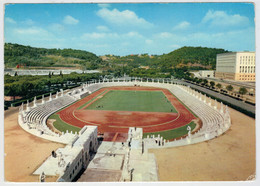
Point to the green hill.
(15, 54)
(190, 56)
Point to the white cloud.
(165, 35)
(182, 25)
(95, 35)
(104, 5)
(10, 20)
(33, 32)
(102, 28)
(56, 27)
(148, 41)
(28, 22)
(133, 34)
(70, 20)
(123, 18)
(111, 36)
(221, 18)
(175, 46)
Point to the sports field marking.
(87, 122)
(167, 98)
(130, 100)
(85, 104)
(144, 126)
(185, 105)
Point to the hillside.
(190, 56)
(15, 54)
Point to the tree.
(242, 91)
(12, 89)
(212, 83)
(229, 88)
(205, 81)
(219, 86)
(199, 81)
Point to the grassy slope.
(147, 101)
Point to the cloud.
(123, 18)
(70, 20)
(175, 46)
(33, 32)
(181, 26)
(95, 35)
(148, 41)
(56, 27)
(10, 20)
(133, 34)
(111, 36)
(102, 28)
(221, 18)
(165, 35)
(104, 5)
(28, 22)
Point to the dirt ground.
(24, 153)
(230, 157)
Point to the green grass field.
(63, 126)
(122, 100)
(174, 133)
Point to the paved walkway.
(233, 101)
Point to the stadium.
(134, 114)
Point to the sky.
(123, 29)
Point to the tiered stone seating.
(36, 117)
(214, 122)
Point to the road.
(233, 101)
(250, 85)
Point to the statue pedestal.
(188, 139)
(220, 131)
(206, 136)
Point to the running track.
(120, 121)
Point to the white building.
(238, 66)
(207, 73)
(73, 157)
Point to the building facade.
(239, 66)
(207, 73)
